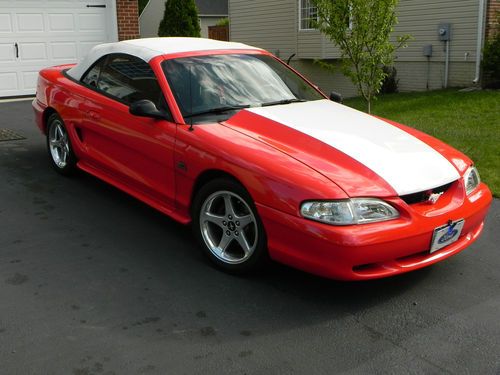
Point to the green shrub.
(180, 19)
(223, 22)
(390, 82)
(491, 59)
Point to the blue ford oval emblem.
(447, 236)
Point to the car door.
(135, 152)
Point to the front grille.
(423, 196)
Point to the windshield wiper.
(218, 110)
(283, 101)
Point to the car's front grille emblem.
(433, 197)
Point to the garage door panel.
(47, 33)
(32, 51)
(8, 81)
(29, 22)
(61, 22)
(92, 22)
(64, 51)
(84, 47)
(7, 53)
(29, 79)
(5, 23)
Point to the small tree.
(361, 29)
(180, 19)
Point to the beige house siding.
(421, 19)
(413, 75)
(267, 24)
(326, 80)
(308, 44)
(273, 25)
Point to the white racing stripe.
(405, 162)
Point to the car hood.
(362, 154)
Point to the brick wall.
(491, 17)
(127, 19)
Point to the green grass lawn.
(469, 121)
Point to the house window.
(308, 15)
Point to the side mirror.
(146, 108)
(336, 97)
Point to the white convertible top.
(148, 48)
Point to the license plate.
(446, 235)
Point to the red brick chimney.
(127, 19)
(492, 10)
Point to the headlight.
(347, 212)
(471, 179)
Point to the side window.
(92, 76)
(129, 79)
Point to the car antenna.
(191, 128)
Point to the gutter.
(480, 39)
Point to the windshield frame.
(189, 120)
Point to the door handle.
(16, 46)
(96, 6)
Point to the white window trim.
(314, 29)
(300, 18)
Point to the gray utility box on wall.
(427, 51)
(444, 32)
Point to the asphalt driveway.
(94, 282)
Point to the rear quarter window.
(125, 78)
(129, 79)
(92, 76)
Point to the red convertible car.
(263, 164)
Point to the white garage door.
(37, 34)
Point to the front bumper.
(369, 251)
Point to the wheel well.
(207, 176)
(46, 114)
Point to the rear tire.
(59, 147)
(228, 227)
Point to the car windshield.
(213, 87)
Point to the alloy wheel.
(228, 227)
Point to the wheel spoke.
(228, 205)
(54, 143)
(60, 133)
(212, 218)
(224, 243)
(242, 240)
(64, 154)
(244, 220)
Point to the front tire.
(228, 228)
(61, 154)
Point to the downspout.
(447, 64)
(140, 15)
(480, 35)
